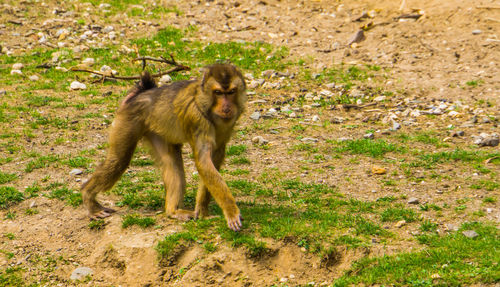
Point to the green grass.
(453, 260)
(11, 276)
(9, 196)
(135, 219)
(73, 198)
(373, 148)
(398, 213)
(7, 177)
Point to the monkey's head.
(223, 88)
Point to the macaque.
(200, 112)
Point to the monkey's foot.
(100, 212)
(182, 215)
(234, 223)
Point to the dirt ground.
(432, 58)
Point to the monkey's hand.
(234, 221)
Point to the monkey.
(200, 112)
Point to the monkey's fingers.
(235, 225)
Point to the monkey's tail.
(146, 82)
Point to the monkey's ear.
(205, 71)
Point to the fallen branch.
(110, 75)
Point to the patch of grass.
(7, 177)
(73, 198)
(166, 246)
(9, 196)
(240, 160)
(236, 150)
(429, 160)
(135, 219)
(97, 224)
(40, 162)
(451, 260)
(10, 236)
(392, 214)
(374, 148)
(490, 199)
(11, 276)
(78, 161)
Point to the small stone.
(17, 66)
(453, 114)
(80, 273)
(77, 86)
(108, 29)
(485, 120)
(291, 276)
(292, 115)
(34, 78)
(33, 204)
(337, 120)
(439, 191)
(315, 118)
(369, 136)
(470, 233)
(3, 92)
(326, 93)
(378, 169)
(259, 140)
(164, 80)
(476, 32)
(380, 98)
(256, 83)
(395, 126)
(76, 171)
(485, 139)
(400, 223)
(413, 200)
(16, 72)
(283, 280)
(435, 276)
(104, 6)
(489, 210)
(88, 61)
(268, 73)
(458, 134)
(255, 116)
(451, 227)
(312, 140)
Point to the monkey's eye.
(217, 92)
(232, 91)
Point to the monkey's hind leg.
(123, 139)
(170, 160)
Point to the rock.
(330, 85)
(268, 73)
(315, 118)
(76, 171)
(395, 126)
(470, 233)
(413, 200)
(34, 78)
(255, 116)
(369, 136)
(259, 140)
(400, 223)
(451, 227)
(337, 120)
(380, 98)
(312, 140)
(108, 29)
(458, 134)
(476, 32)
(77, 86)
(326, 93)
(453, 114)
(3, 92)
(485, 120)
(485, 139)
(16, 72)
(80, 273)
(378, 169)
(164, 80)
(17, 66)
(256, 83)
(292, 115)
(88, 61)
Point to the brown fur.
(202, 113)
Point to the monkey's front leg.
(217, 187)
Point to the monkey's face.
(224, 102)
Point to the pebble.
(255, 83)
(458, 134)
(3, 92)
(470, 233)
(485, 139)
(108, 29)
(380, 98)
(315, 118)
(292, 115)
(326, 93)
(369, 136)
(88, 61)
(164, 80)
(400, 223)
(413, 200)
(378, 169)
(17, 66)
(268, 73)
(313, 140)
(451, 227)
(16, 72)
(259, 140)
(476, 32)
(337, 120)
(395, 126)
(77, 86)
(80, 273)
(34, 78)
(76, 171)
(255, 116)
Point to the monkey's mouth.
(226, 117)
